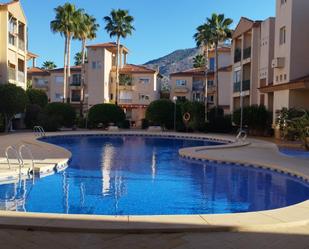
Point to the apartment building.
(252, 51)
(190, 84)
(138, 85)
(290, 86)
(13, 44)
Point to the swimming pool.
(134, 175)
(295, 152)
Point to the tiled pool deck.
(290, 220)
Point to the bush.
(49, 123)
(31, 115)
(161, 112)
(197, 113)
(13, 100)
(256, 118)
(220, 124)
(105, 114)
(125, 124)
(37, 97)
(145, 124)
(1, 123)
(64, 113)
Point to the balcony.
(12, 74)
(237, 55)
(198, 85)
(21, 44)
(76, 81)
(125, 101)
(245, 86)
(21, 76)
(247, 53)
(75, 98)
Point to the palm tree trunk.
(83, 78)
(117, 69)
(65, 69)
(68, 69)
(206, 81)
(217, 77)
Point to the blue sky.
(162, 26)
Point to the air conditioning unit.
(278, 62)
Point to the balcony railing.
(75, 83)
(247, 53)
(245, 86)
(237, 55)
(75, 98)
(21, 44)
(12, 74)
(21, 76)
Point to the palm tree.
(203, 39)
(66, 22)
(119, 25)
(87, 30)
(49, 65)
(220, 32)
(199, 61)
(78, 59)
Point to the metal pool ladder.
(242, 136)
(7, 150)
(20, 151)
(39, 131)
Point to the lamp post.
(241, 107)
(86, 97)
(175, 102)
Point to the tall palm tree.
(199, 61)
(48, 65)
(87, 30)
(203, 39)
(220, 32)
(66, 22)
(78, 59)
(119, 24)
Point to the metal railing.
(245, 86)
(7, 150)
(20, 150)
(242, 136)
(247, 53)
(237, 55)
(39, 131)
(12, 73)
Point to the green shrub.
(13, 100)
(49, 123)
(64, 113)
(197, 114)
(220, 124)
(105, 114)
(125, 124)
(256, 118)
(161, 112)
(1, 123)
(145, 124)
(37, 97)
(31, 115)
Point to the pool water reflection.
(145, 176)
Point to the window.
(237, 76)
(125, 95)
(283, 2)
(282, 35)
(281, 77)
(112, 96)
(59, 79)
(143, 97)
(96, 65)
(210, 99)
(277, 78)
(181, 82)
(144, 81)
(210, 83)
(76, 79)
(212, 64)
(12, 30)
(58, 96)
(41, 82)
(285, 77)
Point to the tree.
(48, 65)
(220, 31)
(87, 30)
(119, 25)
(66, 23)
(199, 61)
(37, 97)
(203, 39)
(13, 100)
(78, 59)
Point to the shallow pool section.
(295, 153)
(134, 175)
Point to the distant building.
(190, 84)
(138, 85)
(13, 44)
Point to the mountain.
(176, 61)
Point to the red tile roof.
(107, 45)
(37, 71)
(199, 71)
(130, 68)
(73, 69)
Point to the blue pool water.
(145, 176)
(295, 153)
